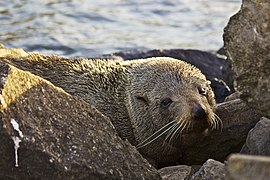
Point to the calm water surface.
(94, 27)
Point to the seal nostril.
(198, 111)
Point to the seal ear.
(143, 99)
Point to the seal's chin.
(198, 131)
(199, 127)
(189, 133)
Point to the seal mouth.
(197, 127)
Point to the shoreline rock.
(210, 170)
(247, 46)
(258, 139)
(180, 172)
(242, 167)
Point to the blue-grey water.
(94, 27)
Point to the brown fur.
(130, 94)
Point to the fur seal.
(160, 105)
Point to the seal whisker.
(179, 126)
(165, 126)
(213, 122)
(183, 128)
(219, 121)
(175, 126)
(188, 126)
(145, 142)
(173, 135)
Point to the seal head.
(170, 103)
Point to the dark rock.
(233, 96)
(247, 45)
(244, 167)
(216, 69)
(220, 88)
(258, 140)
(211, 170)
(221, 51)
(237, 120)
(180, 172)
(59, 136)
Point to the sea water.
(94, 27)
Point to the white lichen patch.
(16, 139)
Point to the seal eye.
(143, 99)
(166, 102)
(202, 91)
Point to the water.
(93, 27)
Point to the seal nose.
(198, 111)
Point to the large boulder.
(210, 170)
(243, 167)
(46, 133)
(180, 172)
(258, 140)
(247, 45)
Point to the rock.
(180, 172)
(211, 170)
(233, 96)
(215, 68)
(247, 45)
(14, 52)
(221, 51)
(258, 140)
(244, 167)
(58, 136)
(237, 120)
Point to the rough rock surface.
(61, 136)
(180, 172)
(233, 96)
(247, 45)
(258, 140)
(245, 167)
(216, 69)
(210, 170)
